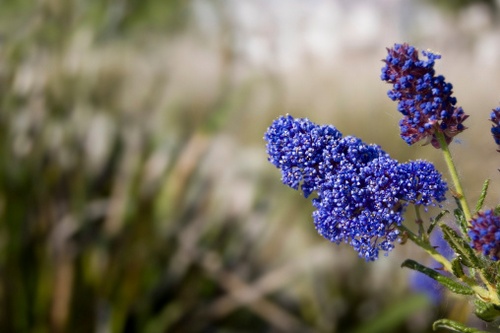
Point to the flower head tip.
(424, 99)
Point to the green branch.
(459, 192)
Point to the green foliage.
(465, 253)
(486, 311)
(460, 218)
(482, 196)
(451, 284)
(456, 266)
(481, 277)
(435, 220)
(454, 326)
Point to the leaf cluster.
(468, 273)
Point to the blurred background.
(135, 192)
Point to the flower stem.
(459, 192)
(418, 219)
(427, 248)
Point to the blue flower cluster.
(484, 233)
(361, 191)
(296, 146)
(495, 129)
(424, 99)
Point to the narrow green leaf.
(486, 311)
(461, 247)
(456, 265)
(484, 191)
(454, 326)
(452, 285)
(436, 220)
(460, 217)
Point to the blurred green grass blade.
(394, 315)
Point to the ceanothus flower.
(361, 191)
(296, 147)
(484, 233)
(424, 99)
(495, 129)
(422, 183)
(360, 206)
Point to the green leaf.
(436, 220)
(452, 285)
(454, 326)
(456, 265)
(461, 247)
(486, 311)
(460, 217)
(484, 191)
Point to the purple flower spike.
(495, 129)
(424, 99)
(485, 234)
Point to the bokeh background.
(135, 192)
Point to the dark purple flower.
(484, 233)
(495, 129)
(361, 191)
(424, 99)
